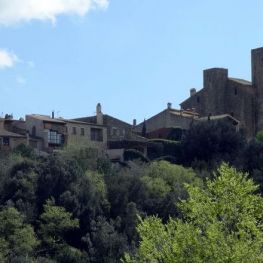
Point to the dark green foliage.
(104, 243)
(211, 142)
(56, 175)
(24, 151)
(20, 189)
(132, 154)
(73, 207)
(17, 239)
(251, 161)
(162, 149)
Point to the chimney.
(192, 92)
(53, 115)
(169, 105)
(134, 122)
(99, 114)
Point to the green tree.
(17, 239)
(56, 222)
(222, 223)
(259, 136)
(211, 142)
(165, 185)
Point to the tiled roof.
(5, 133)
(46, 118)
(82, 122)
(106, 117)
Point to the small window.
(96, 134)
(74, 130)
(235, 91)
(6, 141)
(114, 131)
(82, 132)
(198, 99)
(34, 131)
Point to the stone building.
(120, 135)
(49, 133)
(116, 128)
(239, 98)
(168, 124)
(86, 134)
(9, 136)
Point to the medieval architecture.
(239, 98)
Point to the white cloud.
(15, 11)
(7, 59)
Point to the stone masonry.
(224, 95)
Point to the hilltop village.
(235, 101)
(97, 189)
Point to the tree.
(259, 136)
(20, 189)
(222, 223)
(17, 239)
(211, 142)
(165, 185)
(55, 224)
(104, 242)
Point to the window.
(82, 131)
(113, 131)
(34, 131)
(55, 138)
(6, 141)
(235, 91)
(96, 134)
(74, 130)
(198, 99)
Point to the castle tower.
(257, 82)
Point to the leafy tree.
(222, 223)
(55, 224)
(20, 189)
(56, 175)
(211, 142)
(104, 242)
(259, 136)
(17, 239)
(251, 161)
(165, 185)
(24, 151)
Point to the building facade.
(239, 98)
(48, 133)
(9, 137)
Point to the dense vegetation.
(74, 207)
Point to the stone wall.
(223, 95)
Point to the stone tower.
(257, 83)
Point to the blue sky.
(132, 56)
